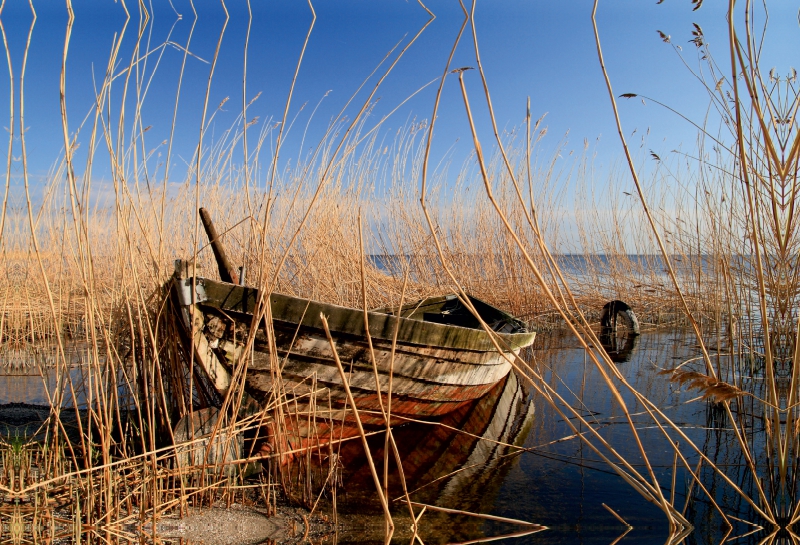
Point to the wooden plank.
(232, 298)
(427, 367)
(217, 372)
(437, 367)
(364, 381)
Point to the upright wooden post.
(227, 272)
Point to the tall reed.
(729, 265)
(86, 294)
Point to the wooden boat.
(459, 463)
(441, 358)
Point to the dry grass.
(87, 269)
(730, 266)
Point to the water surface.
(557, 480)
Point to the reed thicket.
(88, 270)
(730, 266)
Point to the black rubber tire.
(615, 310)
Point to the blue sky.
(540, 49)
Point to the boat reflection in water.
(457, 462)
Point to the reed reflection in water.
(510, 454)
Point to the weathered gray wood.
(214, 369)
(192, 438)
(430, 364)
(228, 297)
(436, 367)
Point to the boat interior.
(449, 310)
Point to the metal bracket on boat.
(185, 291)
(185, 271)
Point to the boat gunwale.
(217, 294)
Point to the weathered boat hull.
(457, 461)
(432, 368)
(424, 381)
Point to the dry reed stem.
(656, 488)
(351, 401)
(308, 261)
(478, 515)
(385, 411)
(462, 295)
(616, 515)
(510, 170)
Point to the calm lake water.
(511, 454)
(557, 482)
